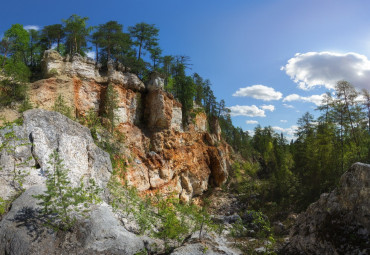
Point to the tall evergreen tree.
(77, 32)
(145, 37)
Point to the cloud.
(316, 99)
(313, 69)
(288, 106)
(259, 92)
(250, 132)
(289, 132)
(246, 110)
(34, 27)
(283, 121)
(269, 107)
(251, 122)
(91, 54)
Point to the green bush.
(61, 201)
(60, 106)
(11, 91)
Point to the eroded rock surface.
(339, 222)
(42, 133)
(54, 64)
(22, 232)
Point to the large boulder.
(42, 133)
(339, 222)
(22, 231)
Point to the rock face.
(22, 232)
(162, 111)
(210, 244)
(161, 154)
(54, 64)
(339, 222)
(156, 82)
(126, 79)
(43, 132)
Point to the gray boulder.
(156, 82)
(339, 222)
(22, 231)
(43, 132)
(210, 243)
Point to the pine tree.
(111, 104)
(11, 143)
(60, 106)
(61, 202)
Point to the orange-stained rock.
(162, 111)
(159, 156)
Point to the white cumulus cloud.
(269, 107)
(326, 68)
(91, 54)
(316, 99)
(246, 110)
(283, 121)
(290, 131)
(251, 122)
(288, 106)
(34, 27)
(259, 92)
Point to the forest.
(274, 174)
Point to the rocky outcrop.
(159, 153)
(54, 64)
(210, 244)
(339, 222)
(162, 111)
(170, 161)
(156, 82)
(22, 231)
(125, 79)
(43, 132)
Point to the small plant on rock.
(11, 144)
(61, 202)
(60, 106)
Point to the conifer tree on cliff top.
(77, 32)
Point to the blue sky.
(287, 48)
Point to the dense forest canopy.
(294, 173)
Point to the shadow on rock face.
(32, 219)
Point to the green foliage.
(52, 34)
(17, 71)
(4, 204)
(111, 104)
(114, 44)
(60, 106)
(11, 144)
(173, 219)
(18, 39)
(11, 92)
(92, 121)
(26, 105)
(61, 202)
(145, 37)
(53, 72)
(76, 33)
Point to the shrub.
(61, 202)
(60, 106)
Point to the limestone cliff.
(339, 222)
(160, 154)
